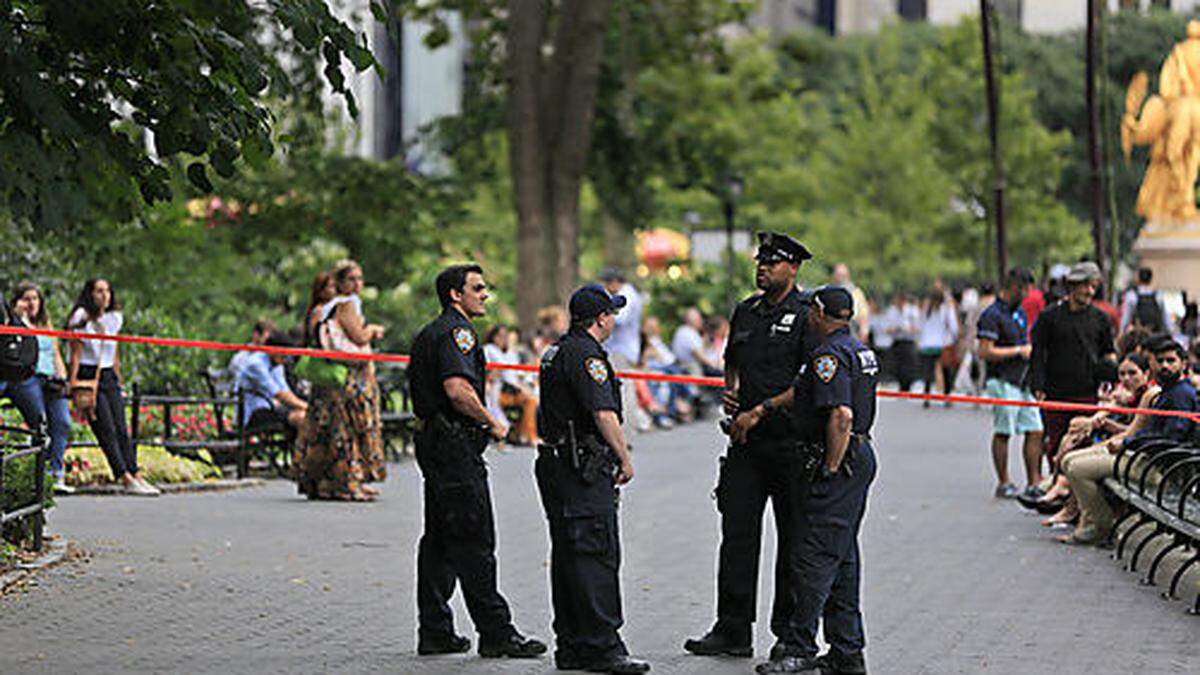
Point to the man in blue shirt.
(267, 399)
(1004, 346)
(625, 344)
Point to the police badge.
(597, 369)
(464, 339)
(825, 366)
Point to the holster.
(589, 458)
(457, 440)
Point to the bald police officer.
(458, 546)
(765, 351)
(834, 404)
(583, 460)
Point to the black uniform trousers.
(585, 559)
(459, 542)
(827, 564)
(749, 475)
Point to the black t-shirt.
(1067, 351)
(575, 381)
(1005, 326)
(447, 347)
(841, 371)
(766, 348)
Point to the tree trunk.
(552, 104)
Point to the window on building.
(912, 10)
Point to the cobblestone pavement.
(261, 581)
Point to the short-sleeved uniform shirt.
(1178, 396)
(575, 381)
(767, 347)
(841, 371)
(447, 347)
(1006, 327)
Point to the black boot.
(722, 641)
(618, 664)
(832, 663)
(515, 646)
(447, 643)
(789, 664)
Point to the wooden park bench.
(1163, 494)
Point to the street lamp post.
(732, 193)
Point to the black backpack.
(1147, 313)
(18, 353)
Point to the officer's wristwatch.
(768, 406)
(825, 473)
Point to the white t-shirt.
(686, 343)
(102, 353)
(939, 328)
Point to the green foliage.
(82, 82)
(19, 491)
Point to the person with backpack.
(18, 359)
(1143, 306)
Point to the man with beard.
(459, 542)
(765, 351)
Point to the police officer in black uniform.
(765, 351)
(583, 459)
(458, 546)
(834, 406)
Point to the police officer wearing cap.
(582, 461)
(834, 407)
(446, 375)
(765, 350)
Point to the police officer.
(583, 459)
(834, 404)
(458, 545)
(765, 350)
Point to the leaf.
(257, 149)
(197, 174)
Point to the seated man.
(263, 329)
(1087, 469)
(267, 399)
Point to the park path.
(260, 581)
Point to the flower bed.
(87, 466)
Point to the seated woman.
(1087, 430)
(508, 388)
(1086, 469)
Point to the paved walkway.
(261, 581)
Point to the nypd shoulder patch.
(464, 339)
(825, 366)
(597, 369)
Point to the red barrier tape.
(629, 375)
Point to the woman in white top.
(96, 365)
(341, 448)
(939, 330)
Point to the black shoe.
(515, 646)
(721, 642)
(448, 643)
(789, 664)
(782, 650)
(832, 663)
(567, 660)
(620, 664)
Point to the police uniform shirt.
(575, 381)
(840, 372)
(766, 348)
(447, 347)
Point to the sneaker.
(1007, 491)
(1033, 493)
(61, 488)
(142, 489)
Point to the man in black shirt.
(458, 546)
(765, 351)
(1073, 352)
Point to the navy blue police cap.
(834, 301)
(592, 301)
(776, 247)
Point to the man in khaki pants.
(1087, 469)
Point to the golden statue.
(1170, 124)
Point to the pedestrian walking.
(834, 407)
(578, 469)
(765, 350)
(459, 543)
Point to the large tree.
(84, 84)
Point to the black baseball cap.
(778, 247)
(592, 301)
(834, 301)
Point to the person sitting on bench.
(267, 400)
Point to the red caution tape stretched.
(629, 375)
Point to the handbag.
(322, 373)
(53, 388)
(83, 396)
